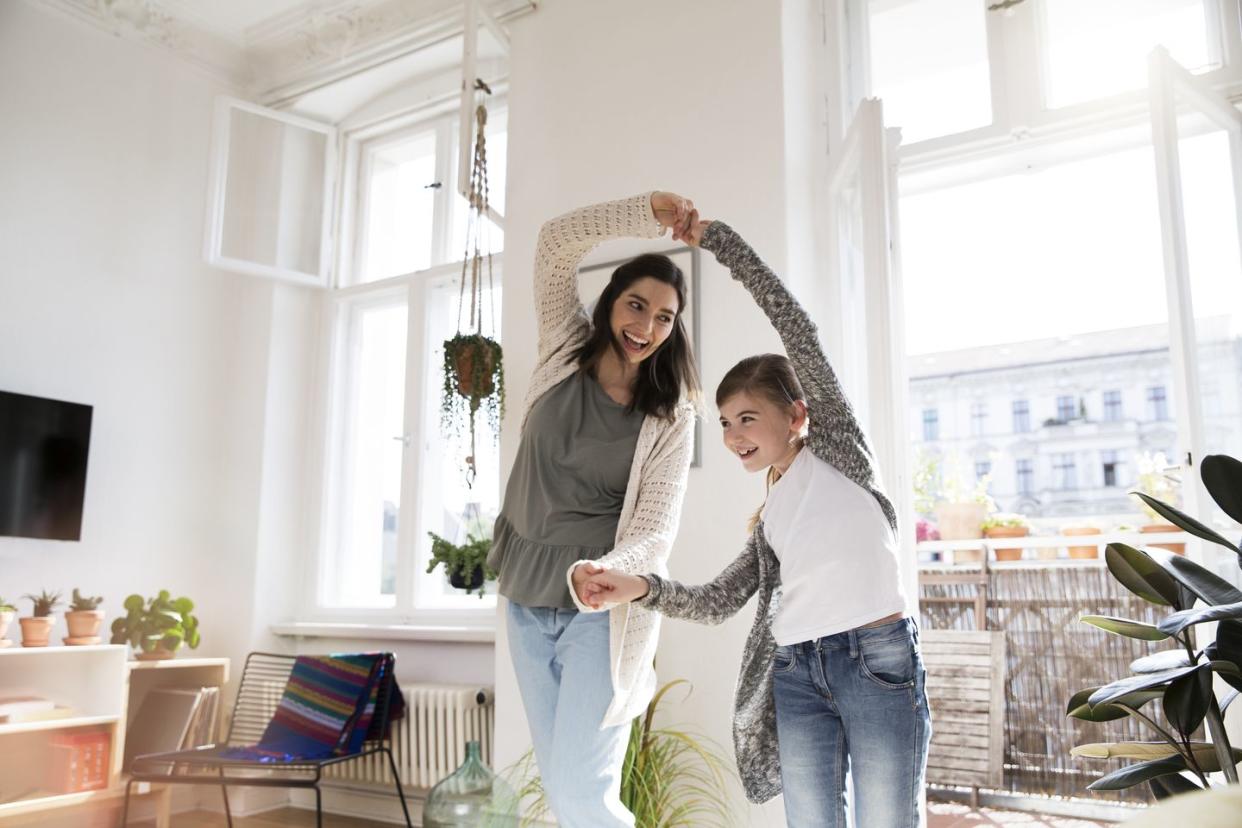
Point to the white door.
(863, 264)
(1197, 135)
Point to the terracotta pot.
(158, 654)
(1082, 552)
(36, 631)
(1047, 553)
(1158, 528)
(1009, 553)
(967, 556)
(465, 371)
(960, 521)
(84, 623)
(6, 618)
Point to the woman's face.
(643, 316)
(758, 431)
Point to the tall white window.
(392, 474)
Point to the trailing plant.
(1181, 676)
(670, 778)
(44, 603)
(157, 623)
(474, 375)
(462, 560)
(83, 604)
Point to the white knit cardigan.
(652, 506)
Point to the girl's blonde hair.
(772, 377)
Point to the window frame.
(1021, 416)
(931, 425)
(1114, 407)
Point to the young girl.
(831, 678)
(599, 475)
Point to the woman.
(598, 479)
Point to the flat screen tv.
(43, 449)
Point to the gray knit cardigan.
(835, 436)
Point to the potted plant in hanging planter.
(156, 628)
(7, 613)
(1006, 525)
(1154, 482)
(466, 564)
(37, 628)
(83, 619)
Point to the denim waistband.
(898, 630)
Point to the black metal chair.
(262, 686)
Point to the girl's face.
(759, 432)
(643, 316)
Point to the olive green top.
(564, 496)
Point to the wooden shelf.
(57, 649)
(57, 724)
(55, 801)
(178, 663)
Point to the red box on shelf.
(80, 761)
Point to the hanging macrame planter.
(473, 362)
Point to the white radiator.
(429, 743)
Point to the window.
(931, 424)
(391, 476)
(1065, 408)
(982, 469)
(1024, 471)
(978, 418)
(1021, 416)
(1157, 403)
(1108, 458)
(1064, 473)
(1112, 406)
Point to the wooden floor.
(284, 818)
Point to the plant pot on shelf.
(960, 521)
(1082, 552)
(1009, 553)
(158, 654)
(36, 630)
(84, 626)
(1160, 528)
(6, 618)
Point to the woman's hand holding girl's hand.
(614, 587)
(694, 234)
(673, 211)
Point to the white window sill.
(465, 633)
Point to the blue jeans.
(853, 702)
(562, 665)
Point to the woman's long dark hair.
(669, 373)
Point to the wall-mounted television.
(43, 450)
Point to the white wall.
(611, 99)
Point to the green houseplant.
(465, 564)
(670, 778)
(37, 627)
(1181, 676)
(157, 627)
(83, 619)
(7, 613)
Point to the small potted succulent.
(83, 619)
(157, 627)
(7, 613)
(37, 627)
(466, 564)
(1006, 525)
(1155, 482)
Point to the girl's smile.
(760, 432)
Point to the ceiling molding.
(290, 54)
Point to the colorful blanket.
(328, 709)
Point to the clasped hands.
(596, 586)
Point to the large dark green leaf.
(1227, 647)
(1222, 475)
(1158, 662)
(1186, 701)
(1078, 707)
(1134, 774)
(1179, 621)
(1185, 521)
(1162, 787)
(1150, 681)
(1233, 694)
(1124, 626)
(1209, 587)
(1141, 575)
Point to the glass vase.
(472, 797)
